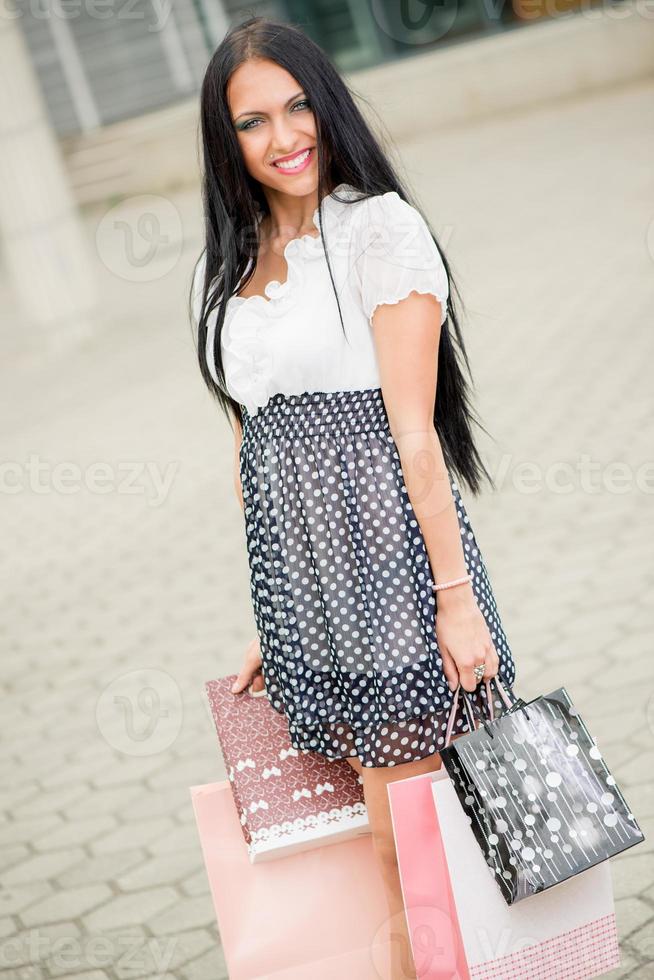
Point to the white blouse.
(380, 250)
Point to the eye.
(250, 124)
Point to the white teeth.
(295, 162)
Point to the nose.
(283, 138)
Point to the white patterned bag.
(458, 922)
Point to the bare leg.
(375, 792)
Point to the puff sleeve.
(395, 255)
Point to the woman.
(325, 320)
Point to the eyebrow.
(257, 112)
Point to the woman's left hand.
(464, 639)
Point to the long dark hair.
(348, 152)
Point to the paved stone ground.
(545, 217)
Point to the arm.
(408, 373)
(250, 673)
(238, 437)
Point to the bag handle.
(472, 712)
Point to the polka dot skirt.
(341, 582)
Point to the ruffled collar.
(309, 247)
(246, 336)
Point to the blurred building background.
(97, 65)
(113, 87)
(119, 79)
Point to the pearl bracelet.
(448, 585)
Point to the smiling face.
(275, 127)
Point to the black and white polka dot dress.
(341, 583)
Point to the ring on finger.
(478, 670)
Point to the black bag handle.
(473, 713)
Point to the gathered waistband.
(316, 413)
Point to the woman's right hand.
(251, 670)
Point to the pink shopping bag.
(567, 932)
(320, 913)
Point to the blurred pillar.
(72, 68)
(214, 21)
(45, 251)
